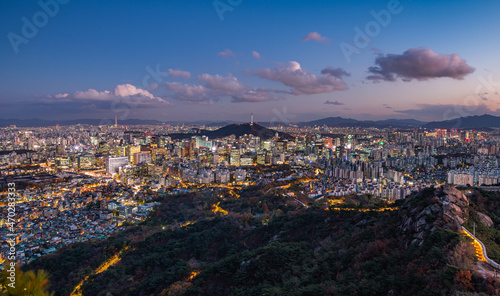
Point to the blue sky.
(431, 60)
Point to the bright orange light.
(477, 246)
(217, 209)
(110, 262)
(193, 274)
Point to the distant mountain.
(349, 122)
(401, 122)
(236, 129)
(469, 122)
(214, 123)
(36, 122)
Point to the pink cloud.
(315, 36)
(218, 82)
(226, 53)
(420, 64)
(218, 87)
(188, 92)
(255, 96)
(121, 91)
(256, 55)
(179, 73)
(303, 82)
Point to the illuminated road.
(107, 264)
(481, 253)
(362, 210)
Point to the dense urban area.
(82, 182)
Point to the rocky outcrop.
(455, 203)
(432, 209)
(484, 219)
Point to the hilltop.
(468, 122)
(485, 121)
(237, 129)
(349, 122)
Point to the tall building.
(235, 157)
(131, 150)
(113, 164)
(142, 157)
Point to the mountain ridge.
(484, 121)
(267, 244)
(237, 129)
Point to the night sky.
(286, 61)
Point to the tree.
(25, 283)
(463, 279)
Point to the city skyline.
(219, 60)
(249, 147)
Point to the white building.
(113, 164)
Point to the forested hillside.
(270, 244)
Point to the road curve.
(481, 250)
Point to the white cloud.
(120, 92)
(218, 82)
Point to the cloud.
(419, 64)
(336, 72)
(188, 92)
(439, 112)
(218, 82)
(123, 100)
(255, 96)
(328, 102)
(301, 81)
(226, 53)
(126, 90)
(218, 87)
(179, 73)
(256, 55)
(91, 94)
(315, 36)
(120, 93)
(386, 106)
